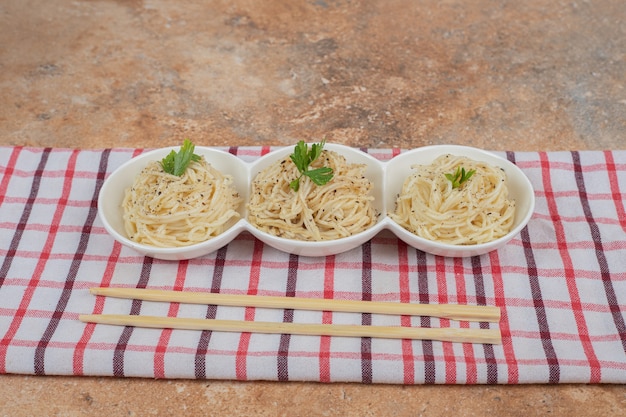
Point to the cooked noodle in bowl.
(340, 208)
(477, 211)
(348, 210)
(166, 210)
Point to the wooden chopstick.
(448, 311)
(463, 335)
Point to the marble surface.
(501, 75)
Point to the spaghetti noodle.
(478, 211)
(166, 210)
(340, 208)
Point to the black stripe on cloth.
(540, 311)
(122, 343)
(605, 273)
(282, 364)
(425, 321)
(366, 318)
(39, 365)
(28, 208)
(481, 299)
(211, 313)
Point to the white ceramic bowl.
(374, 172)
(112, 194)
(387, 178)
(520, 190)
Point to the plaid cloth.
(561, 286)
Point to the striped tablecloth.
(561, 286)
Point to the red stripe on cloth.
(241, 369)
(43, 258)
(568, 269)
(327, 318)
(7, 172)
(442, 289)
(166, 334)
(247, 153)
(505, 328)
(615, 188)
(461, 293)
(83, 341)
(408, 364)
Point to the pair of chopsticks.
(448, 311)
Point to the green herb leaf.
(320, 176)
(176, 163)
(459, 176)
(302, 158)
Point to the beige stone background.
(501, 75)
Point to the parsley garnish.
(459, 177)
(302, 157)
(176, 163)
